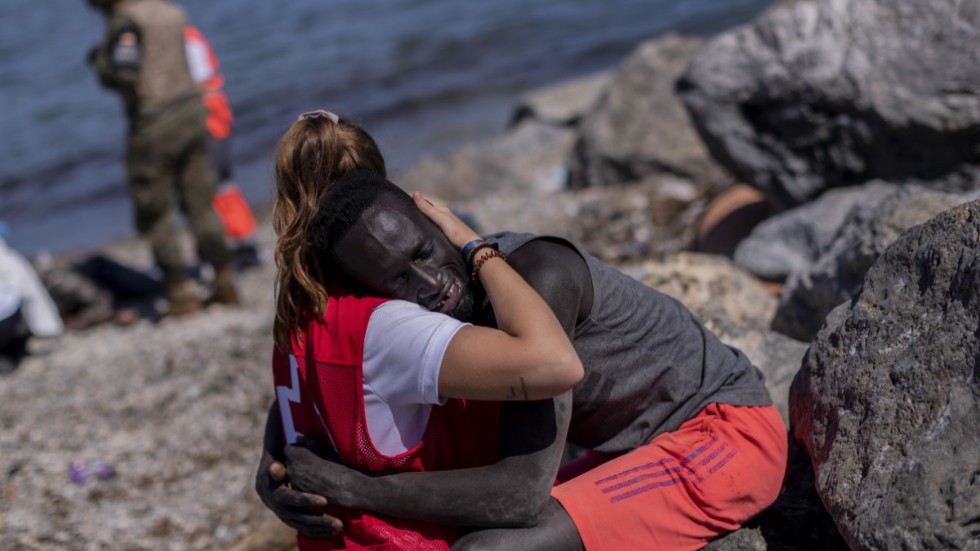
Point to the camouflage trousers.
(169, 166)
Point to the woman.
(385, 380)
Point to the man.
(685, 444)
(142, 58)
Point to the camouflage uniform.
(143, 59)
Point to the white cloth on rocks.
(40, 312)
(9, 301)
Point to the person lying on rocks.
(684, 444)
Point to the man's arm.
(117, 62)
(294, 508)
(511, 492)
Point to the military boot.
(182, 298)
(224, 287)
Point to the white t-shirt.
(403, 350)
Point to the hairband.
(319, 113)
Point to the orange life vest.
(220, 117)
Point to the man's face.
(394, 251)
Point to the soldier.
(143, 59)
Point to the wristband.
(467, 248)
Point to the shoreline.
(866, 274)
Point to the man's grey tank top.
(650, 364)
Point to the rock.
(834, 93)
(530, 156)
(639, 127)
(777, 356)
(793, 240)
(271, 536)
(887, 403)
(564, 104)
(744, 539)
(631, 222)
(724, 296)
(176, 409)
(836, 276)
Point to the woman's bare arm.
(509, 493)
(527, 356)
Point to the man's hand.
(312, 470)
(297, 509)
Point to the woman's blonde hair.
(313, 154)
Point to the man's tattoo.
(513, 391)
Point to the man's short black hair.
(342, 207)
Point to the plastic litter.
(80, 473)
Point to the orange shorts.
(684, 488)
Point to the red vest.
(322, 383)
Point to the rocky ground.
(822, 222)
(176, 408)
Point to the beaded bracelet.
(494, 253)
(476, 249)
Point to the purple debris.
(78, 473)
(103, 471)
(81, 473)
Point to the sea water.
(423, 76)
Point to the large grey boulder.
(887, 402)
(819, 94)
(866, 231)
(793, 240)
(639, 126)
(565, 103)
